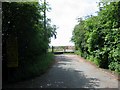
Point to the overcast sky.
(64, 14)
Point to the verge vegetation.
(24, 25)
(97, 38)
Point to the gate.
(62, 49)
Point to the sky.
(64, 14)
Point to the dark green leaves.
(98, 37)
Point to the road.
(71, 71)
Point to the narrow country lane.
(71, 71)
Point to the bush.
(98, 37)
(29, 70)
(24, 22)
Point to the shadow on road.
(62, 75)
(70, 79)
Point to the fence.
(63, 49)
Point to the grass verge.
(96, 62)
(32, 68)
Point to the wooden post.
(45, 16)
(52, 49)
(45, 32)
(64, 49)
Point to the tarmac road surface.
(71, 71)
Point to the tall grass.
(29, 69)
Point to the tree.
(97, 37)
(25, 22)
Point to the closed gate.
(62, 49)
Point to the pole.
(45, 33)
(52, 49)
(45, 17)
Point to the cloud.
(64, 14)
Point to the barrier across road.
(62, 49)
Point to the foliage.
(97, 37)
(25, 22)
(30, 70)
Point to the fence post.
(52, 49)
(64, 49)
